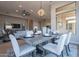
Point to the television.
(16, 25)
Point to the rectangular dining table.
(37, 39)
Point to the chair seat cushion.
(25, 49)
(56, 41)
(52, 48)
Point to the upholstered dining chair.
(19, 34)
(29, 33)
(56, 49)
(67, 48)
(38, 32)
(67, 42)
(45, 31)
(20, 51)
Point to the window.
(66, 18)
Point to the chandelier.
(41, 11)
(25, 13)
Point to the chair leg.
(66, 50)
(34, 53)
(55, 54)
(68, 47)
(44, 53)
(62, 53)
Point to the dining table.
(38, 39)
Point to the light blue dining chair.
(20, 50)
(56, 49)
(46, 31)
(29, 33)
(67, 42)
(66, 45)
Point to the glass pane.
(64, 8)
(66, 21)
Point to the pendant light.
(41, 11)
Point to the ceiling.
(10, 7)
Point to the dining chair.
(19, 34)
(20, 51)
(29, 33)
(45, 31)
(67, 42)
(66, 45)
(38, 32)
(4, 32)
(56, 49)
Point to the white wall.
(14, 20)
(77, 23)
(11, 20)
(1, 22)
(53, 19)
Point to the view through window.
(65, 18)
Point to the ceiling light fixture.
(31, 10)
(17, 10)
(20, 6)
(41, 11)
(25, 13)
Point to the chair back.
(14, 45)
(68, 38)
(29, 33)
(46, 31)
(38, 32)
(3, 31)
(43, 30)
(19, 34)
(61, 42)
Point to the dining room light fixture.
(41, 11)
(20, 6)
(31, 10)
(25, 13)
(17, 10)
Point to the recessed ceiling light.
(24, 14)
(31, 10)
(17, 10)
(20, 6)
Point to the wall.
(1, 25)
(47, 22)
(43, 22)
(16, 20)
(11, 20)
(77, 24)
(1, 22)
(36, 23)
